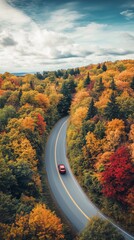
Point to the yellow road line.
(61, 178)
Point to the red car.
(62, 168)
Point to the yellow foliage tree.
(23, 150)
(20, 229)
(93, 144)
(81, 99)
(115, 134)
(44, 224)
(27, 123)
(40, 224)
(79, 116)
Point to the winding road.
(67, 192)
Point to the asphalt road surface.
(67, 192)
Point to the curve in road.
(66, 190)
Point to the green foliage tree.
(92, 110)
(126, 106)
(112, 110)
(87, 126)
(87, 80)
(120, 66)
(92, 185)
(67, 89)
(64, 105)
(14, 99)
(99, 86)
(8, 208)
(65, 75)
(25, 183)
(104, 67)
(5, 114)
(71, 71)
(3, 98)
(77, 71)
(113, 85)
(99, 229)
(71, 85)
(39, 76)
(20, 94)
(99, 130)
(7, 178)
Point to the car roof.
(61, 165)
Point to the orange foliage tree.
(40, 224)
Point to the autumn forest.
(99, 99)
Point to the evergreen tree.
(87, 80)
(64, 104)
(88, 126)
(91, 111)
(104, 67)
(112, 110)
(112, 85)
(71, 71)
(99, 85)
(99, 130)
(77, 71)
(71, 84)
(19, 95)
(32, 84)
(65, 75)
(39, 76)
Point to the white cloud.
(129, 37)
(59, 42)
(8, 14)
(90, 33)
(128, 14)
(63, 19)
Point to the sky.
(40, 35)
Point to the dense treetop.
(100, 139)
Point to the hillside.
(100, 137)
(100, 101)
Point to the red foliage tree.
(118, 176)
(40, 124)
